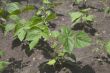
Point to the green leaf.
(66, 38)
(9, 27)
(21, 34)
(52, 62)
(107, 47)
(14, 17)
(55, 33)
(2, 53)
(12, 7)
(81, 40)
(35, 20)
(46, 1)
(75, 16)
(34, 42)
(51, 16)
(31, 34)
(88, 18)
(3, 65)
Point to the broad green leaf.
(66, 39)
(3, 65)
(54, 34)
(31, 34)
(21, 34)
(52, 62)
(14, 17)
(12, 7)
(107, 47)
(75, 16)
(34, 42)
(88, 18)
(9, 27)
(35, 20)
(81, 40)
(68, 44)
(46, 1)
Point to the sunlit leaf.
(9, 27)
(81, 40)
(34, 42)
(66, 37)
(107, 47)
(52, 62)
(75, 16)
(46, 1)
(55, 33)
(12, 7)
(21, 34)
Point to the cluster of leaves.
(3, 64)
(81, 16)
(31, 30)
(36, 28)
(68, 40)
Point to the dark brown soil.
(92, 59)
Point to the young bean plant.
(67, 41)
(81, 16)
(33, 29)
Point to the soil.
(92, 59)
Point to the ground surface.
(89, 59)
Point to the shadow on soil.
(47, 51)
(66, 67)
(87, 28)
(15, 65)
